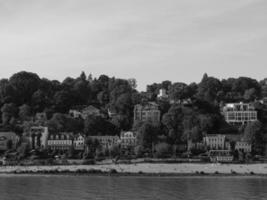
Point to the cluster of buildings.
(40, 138)
(221, 142)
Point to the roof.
(123, 133)
(214, 135)
(64, 134)
(147, 106)
(79, 135)
(91, 108)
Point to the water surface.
(131, 188)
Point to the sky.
(150, 40)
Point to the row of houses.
(221, 142)
(39, 138)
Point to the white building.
(79, 142)
(60, 141)
(163, 94)
(239, 113)
(38, 137)
(243, 146)
(214, 142)
(128, 139)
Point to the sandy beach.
(145, 168)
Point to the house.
(38, 137)
(147, 113)
(106, 141)
(214, 142)
(8, 140)
(239, 113)
(195, 145)
(60, 141)
(79, 142)
(91, 111)
(243, 146)
(85, 112)
(163, 94)
(128, 139)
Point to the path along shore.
(145, 168)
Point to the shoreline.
(143, 169)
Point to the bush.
(139, 151)
(162, 150)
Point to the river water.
(131, 188)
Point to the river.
(131, 188)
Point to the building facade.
(163, 94)
(60, 141)
(239, 113)
(8, 141)
(147, 113)
(128, 139)
(79, 142)
(214, 142)
(243, 146)
(38, 137)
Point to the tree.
(147, 135)
(122, 122)
(251, 130)
(63, 100)
(24, 84)
(39, 100)
(162, 150)
(103, 97)
(254, 135)
(83, 76)
(7, 92)
(173, 120)
(209, 88)
(64, 123)
(133, 83)
(179, 91)
(250, 94)
(114, 151)
(25, 112)
(124, 104)
(9, 111)
(94, 125)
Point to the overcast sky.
(150, 40)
